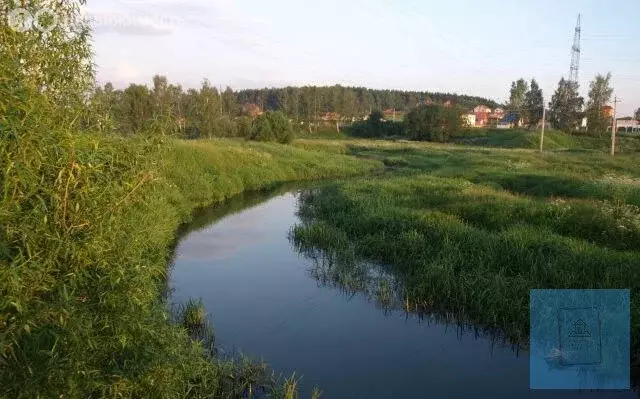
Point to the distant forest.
(209, 112)
(307, 101)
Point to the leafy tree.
(57, 63)
(262, 130)
(637, 115)
(565, 108)
(229, 104)
(375, 126)
(281, 127)
(101, 115)
(162, 105)
(207, 109)
(533, 106)
(600, 93)
(243, 124)
(433, 122)
(136, 108)
(272, 126)
(517, 96)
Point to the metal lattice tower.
(575, 54)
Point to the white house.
(469, 119)
(627, 127)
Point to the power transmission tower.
(575, 54)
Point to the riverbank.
(471, 230)
(90, 245)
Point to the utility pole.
(220, 96)
(544, 117)
(614, 126)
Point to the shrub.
(433, 123)
(376, 126)
(272, 126)
(243, 126)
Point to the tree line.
(303, 103)
(209, 112)
(567, 108)
(427, 122)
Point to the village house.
(469, 119)
(496, 116)
(482, 109)
(252, 110)
(511, 120)
(330, 117)
(608, 111)
(627, 127)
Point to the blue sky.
(458, 46)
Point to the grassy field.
(85, 241)
(553, 140)
(471, 230)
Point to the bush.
(272, 126)
(433, 123)
(376, 127)
(243, 126)
(225, 127)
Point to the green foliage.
(517, 96)
(272, 126)
(600, 93)
(56, 64)
(433, 123)
(87, 222)
(243, 126)
(194, 314)
(565, 108)
(306, 103)
(136, 109)
(376, 127)
(636, 115)
(262, 130)
(89, 297)
(533, 105)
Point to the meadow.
(471, 229)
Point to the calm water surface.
(271, 302)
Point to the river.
(271, 302)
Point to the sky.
(457, 46)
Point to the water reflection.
(380, 286)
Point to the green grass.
(324, 132)
(471, 230)
(87, 228)
(553, 140)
